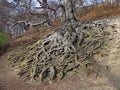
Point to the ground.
(10, 81)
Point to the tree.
(5, 8)
(112, 2)
(71, 46)
(70, 11)
(45, 5)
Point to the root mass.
(70, 47)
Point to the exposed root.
(66, 49)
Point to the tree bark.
(45, 5)
(70, 15)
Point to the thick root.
(66, 49)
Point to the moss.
(3, 39)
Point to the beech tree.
(70, 47)
(70, 11)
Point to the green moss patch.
(3, 39)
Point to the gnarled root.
(59, 52)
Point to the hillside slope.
(10, 81)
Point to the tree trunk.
(70, 15)
(45, 6)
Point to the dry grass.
(33, 35)
(30, 37)
(98, 11)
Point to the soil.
(9, 79)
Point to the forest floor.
(10, 81)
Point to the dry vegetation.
(98, 11)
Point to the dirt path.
(10, 81)
(114, 52)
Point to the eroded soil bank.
(10, 81)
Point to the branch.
(26, 26)
(25, 23)
(39, 2)
(48, 7)
(29, 24)
(38, 24)
(32, 13)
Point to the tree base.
(71, 46)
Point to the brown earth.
(10, 81)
